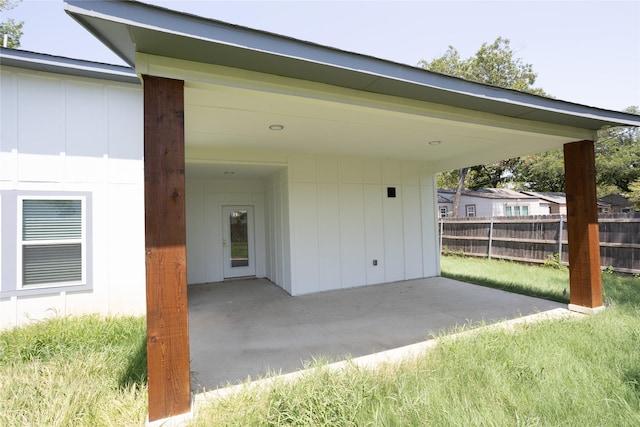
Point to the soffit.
(220, 118)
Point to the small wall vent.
(391, 192)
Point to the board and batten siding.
(62, 134)
(204, 203)
(342, 220)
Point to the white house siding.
(278, 259)
(63, 134)
(487, 207)
(342, 220)
(204, 203)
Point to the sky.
(587, 52)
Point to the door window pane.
(239, 238)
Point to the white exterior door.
(238, 241)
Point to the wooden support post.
(582, 225)
(490, 238)
(165, 234)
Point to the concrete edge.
(585, 310)
(174, 421)
(395, 355)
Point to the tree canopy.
(494, 64)
(10, 28)
(617, 149)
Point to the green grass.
(538, 281)
(74, 371)
(571, 372)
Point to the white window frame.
(22, 243)
(514, 209)
(444, 211)
(473, 209)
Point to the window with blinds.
(52, 239)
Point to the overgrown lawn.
(74, 371)
(92, 371)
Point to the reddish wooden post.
(165, 234)
(582, 225)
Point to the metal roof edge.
(69, 66)
(179, 24)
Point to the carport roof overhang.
(506, 121)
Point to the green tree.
(494, 64)
(541, 172)
(634, 193)
(617, 151)
(618, 155)
(10, 29)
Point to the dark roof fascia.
(560, 200)
(68, 66)
(130, 26)
(488, 195)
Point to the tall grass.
(74, 371)
(92, 371)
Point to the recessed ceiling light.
(435, 142)
(276, 127)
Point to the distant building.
(487, 202)
(615, 203)
(555, 202)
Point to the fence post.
(490, 238)
(560, 239)
(441, 232)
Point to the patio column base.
(585, 310)
(174, 421)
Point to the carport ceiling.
(223, 117)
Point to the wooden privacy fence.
(534, 239)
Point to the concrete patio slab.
(245, 328)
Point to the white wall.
(342, 220)
(204, 204)
(278, 258)
(60, 134)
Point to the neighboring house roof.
(617, 199)
(69, 66)
(128, 27)
(442, 199)
(490, 193)
(553, 197)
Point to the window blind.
(51, 241)
(51, 264)
(51, 219)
